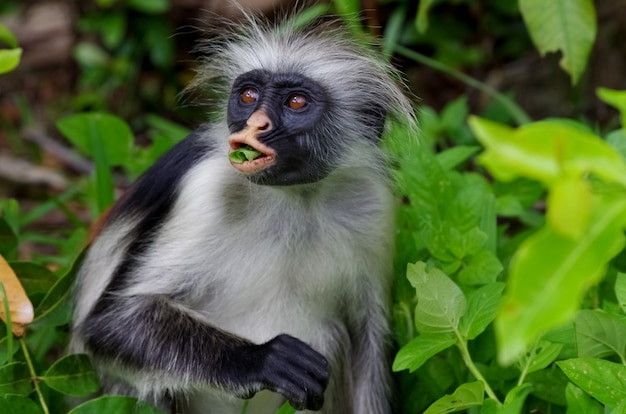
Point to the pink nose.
(260, 121)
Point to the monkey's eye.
(249, 96)
(297, 101)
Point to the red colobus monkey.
(216, 280)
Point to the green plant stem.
(34, 376)
(461, 344)
(7, 316)
(516, 112)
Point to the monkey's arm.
(162, 339)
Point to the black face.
(296, 106)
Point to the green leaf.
(33, 277)
(286, 409)
(72, 375)
(7, 37)
(514, 400)
(244, 153)
(616, 99)
(599, 334)
(539, 357)
(603, 380)
(90, 55)
(8, 240)
(115, 404)
(465, 396)
(565, 25)
(565, 192)
(93, 131)
(15, 379)
(4, 350)
(481, 268)
(453, 157)
(482, 307)
(440, 302)
(56, 309)
(17, 404)
(414, 354)
(617, 140)
(549, 274)
(545, 151)
(9, 59)
(620, 290)
(579, 402)
(421, 21)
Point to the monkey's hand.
(292, 368)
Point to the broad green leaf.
(603, 380)
(513, 403)
(599, 334)
(539, 357)
(467, 395)
(115, 404)
(17, 404)
(33, 277)
(456, 155)
(421, 20)
(481, 268)
(9, 59)
(4, 350)
(579, 402)
(15, 379)
(620, 290)
(549, 274)
(7, 37)
(440, 302)
(617, 140)
(568, 26)
(414, 354)
(72, 375)
(565, 192)
(616, 99)
(545, 151)
(86, 130)
(482, 306)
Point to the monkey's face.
(282, 116)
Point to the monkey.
(216, 285)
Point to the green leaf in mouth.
(244, 153)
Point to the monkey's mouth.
(248, 155)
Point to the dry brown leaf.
(22, 312)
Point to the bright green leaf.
(617, 140)
(549, 274)
(72, 375)
(286, 409)
(9, 59)
(565, 192)
(565, 25)
(115, 404)
(482, 306)
(456, 155)
(17, 404)
(603, 380)
(414, 354)
(579, 402)
(440, 302)
(465, 396)
(539, 357)
(545, 151)
(600, 334)
(95, 130)
(616, 99)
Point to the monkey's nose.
(260, 121)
